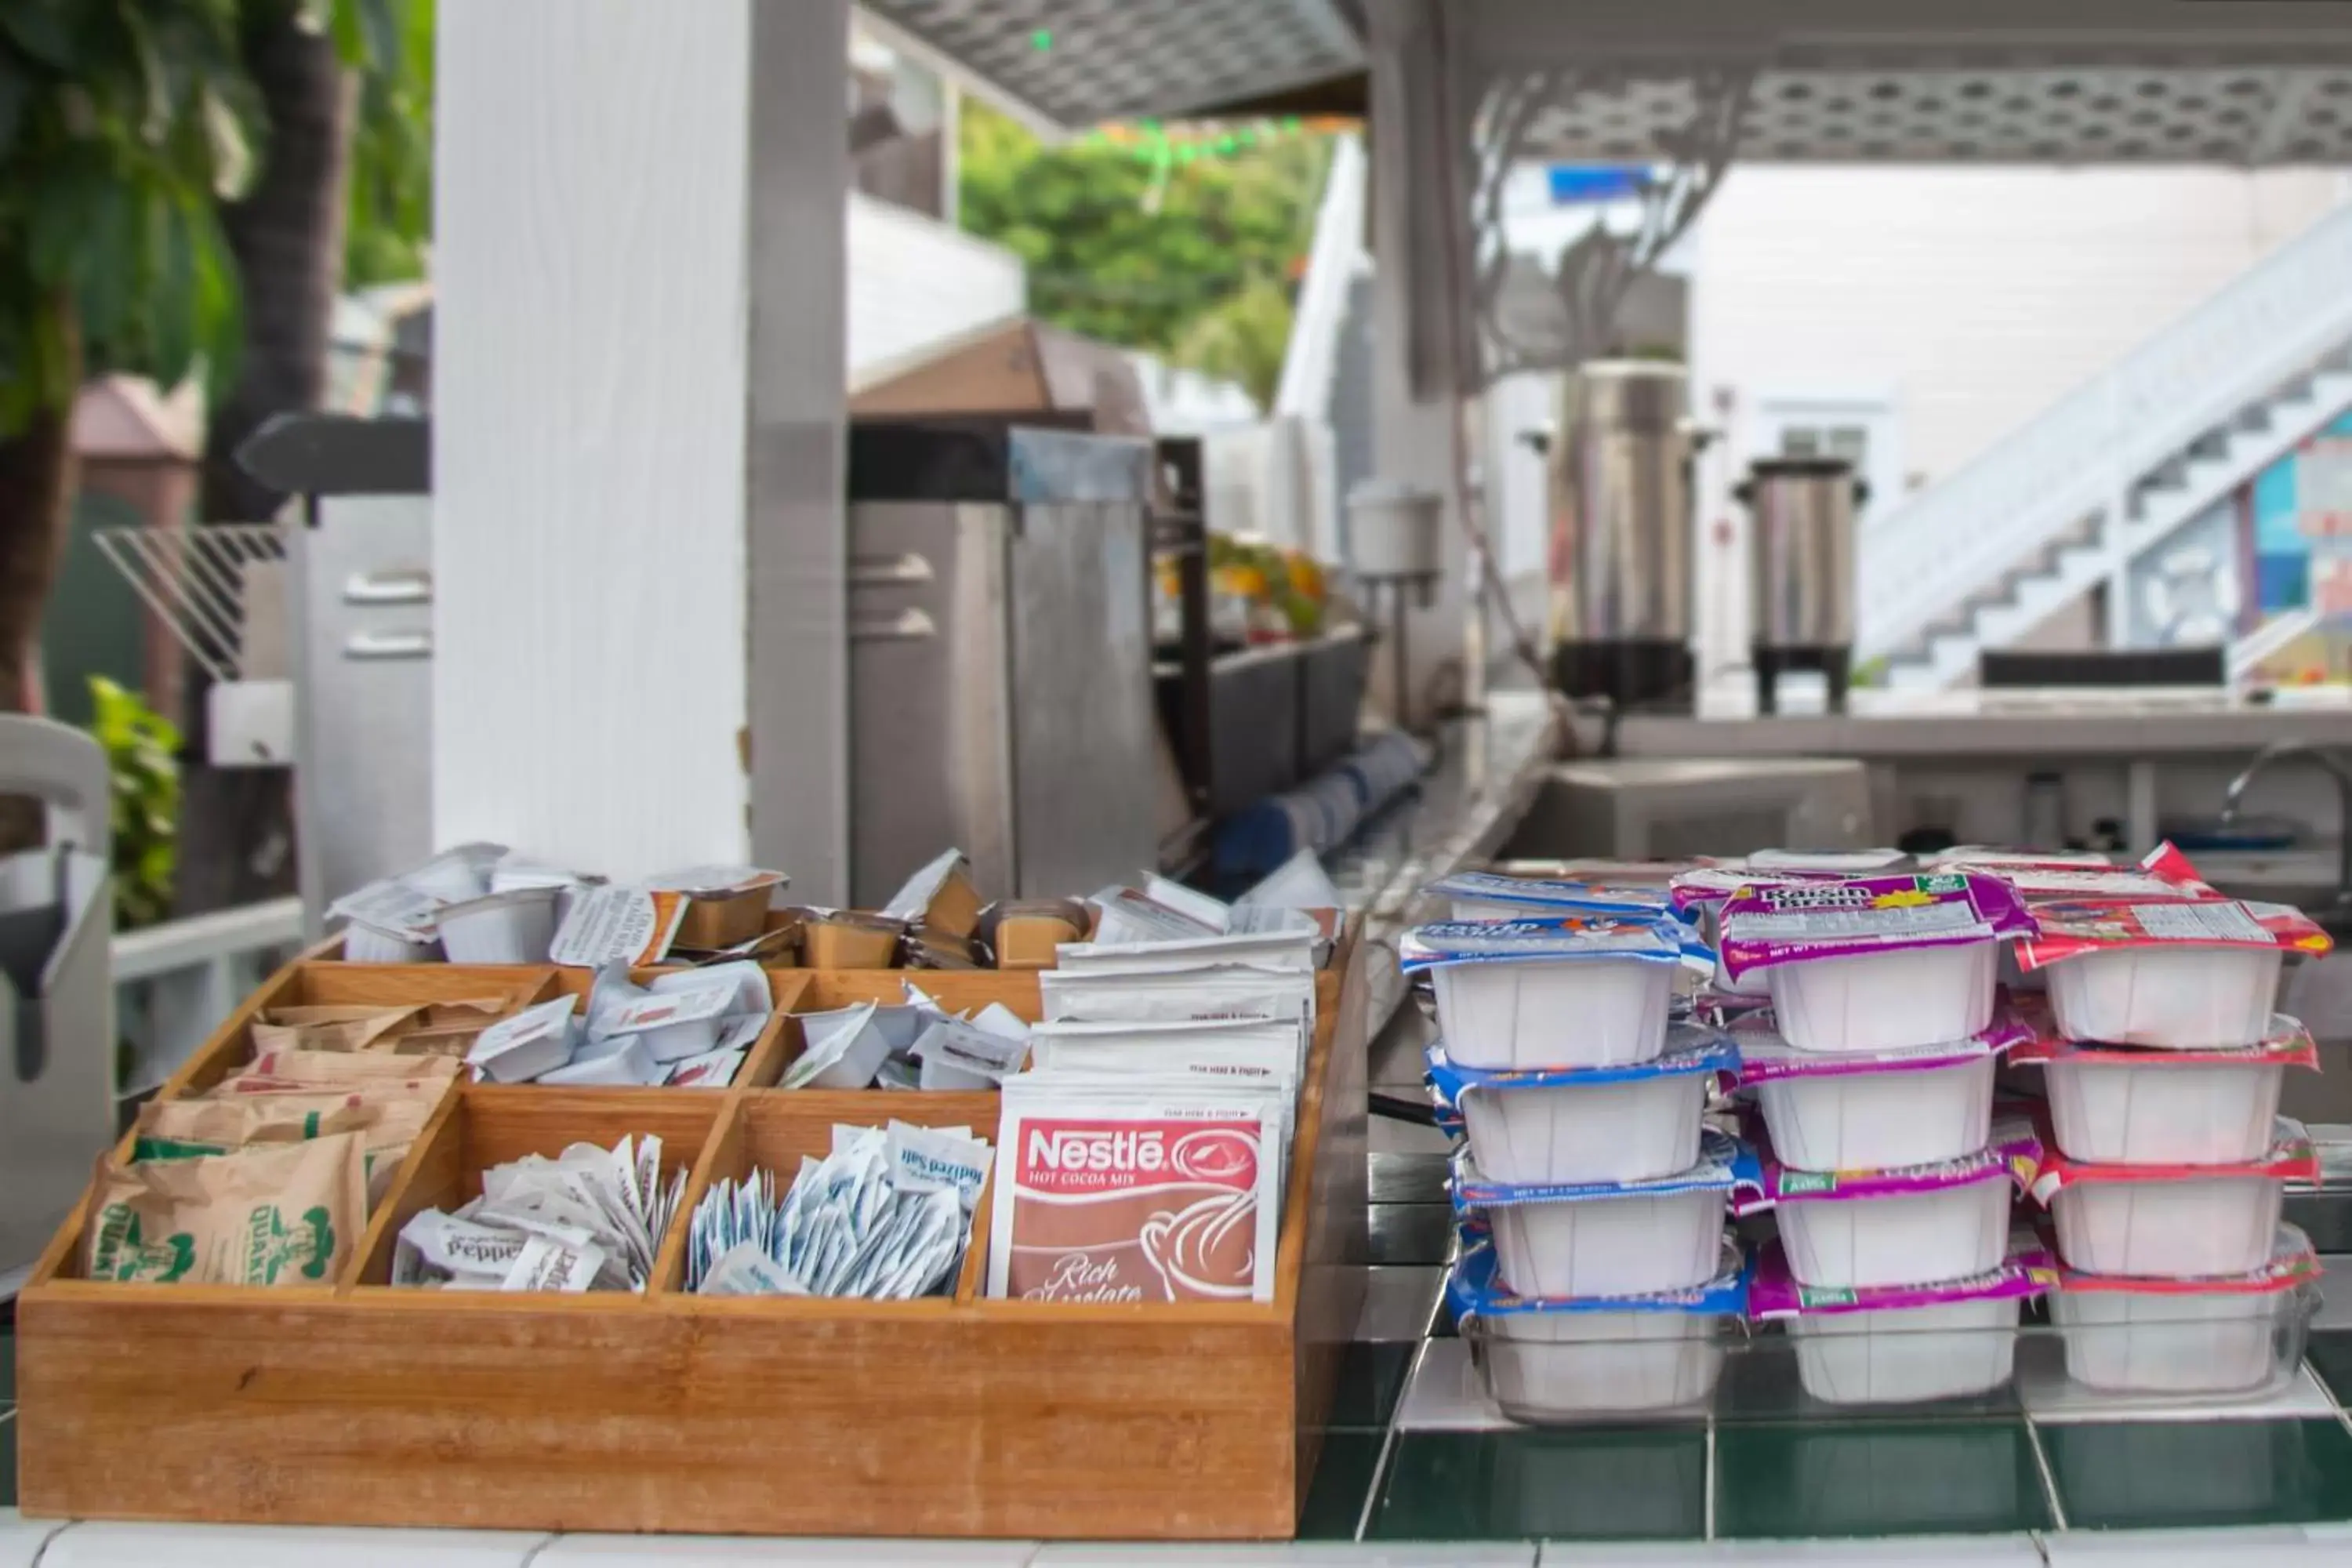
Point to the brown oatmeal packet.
(281, 1215)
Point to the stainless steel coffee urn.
(1620, 535)
(1800, 571)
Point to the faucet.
(2282, 751)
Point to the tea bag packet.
(959, 1056)
(883, 1216)
(274, 1214)
(590, 1218)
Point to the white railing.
(2077, 460)
(1332, 263)
(175, 983)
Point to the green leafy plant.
(1132, 254)
(142, 757)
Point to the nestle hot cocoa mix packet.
(1166, 1191)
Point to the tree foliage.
(391, 156)
(121, 123)
(1136, 250)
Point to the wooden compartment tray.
(361, 1403)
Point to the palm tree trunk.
(237, 833)
(36, 486)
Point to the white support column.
(1414, 431)
(637, 443)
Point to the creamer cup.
(534, 1042)
(842, 1049)
(365, 943)
(500, 928)
(627, 1064)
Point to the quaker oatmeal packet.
(286, 1215)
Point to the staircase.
(2064, 504)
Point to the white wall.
(914, 281)
(1972, 298)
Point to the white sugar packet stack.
(885, 1216)
(589, 1219)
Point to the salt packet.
(884, 1217)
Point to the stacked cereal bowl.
(2168, 1164)
(1595, 1191)
(1895, 1272)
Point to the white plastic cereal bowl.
(1886, 1001)
(1631, 1131)
(1878, 1121)
(2164, 1112)
(2179, 998)
(2221, 1343)
(1643, 1243)
(1573, 1013)
(1544, 1367)
(2202, 1227)
(1899, 1355)
(1904, 1238)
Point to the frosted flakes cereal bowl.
(1552, 1360)
(1633, 1238)
(1587, 1124)
(1576, 991)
